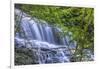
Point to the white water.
(41, 36)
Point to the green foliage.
(78, 20)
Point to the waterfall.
(43, 38)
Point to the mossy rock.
(24, 56)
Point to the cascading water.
(43, 38)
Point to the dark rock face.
(24, 56)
